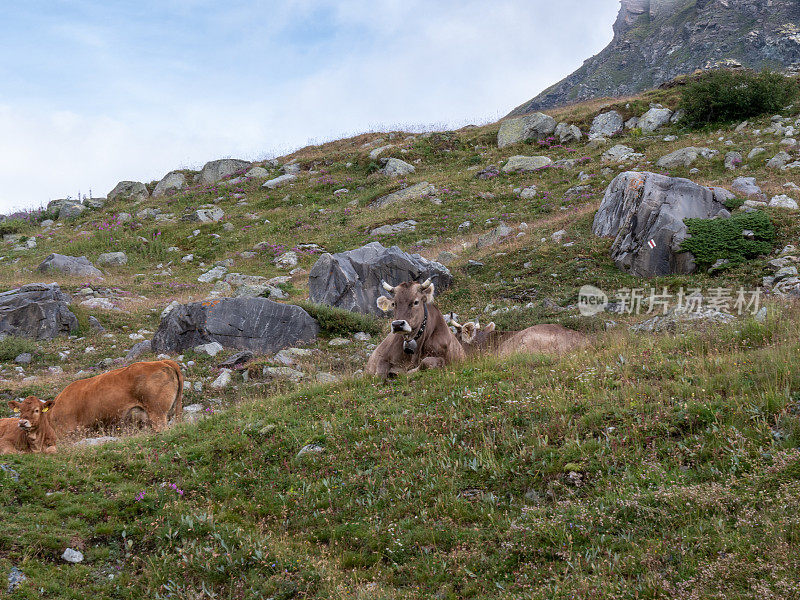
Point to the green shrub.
(335, 321)
(11, 347)
(714, 239)
(725, 96)
(12, 226)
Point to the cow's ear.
(490, 327)
(384, 304)
(14, 405)
(468, 331)
(48, 405)
(427, 294)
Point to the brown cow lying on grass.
(420, 337)
(541, 339)
(142, 393)
(31, 432)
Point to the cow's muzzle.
(401, 326)
(26, 425)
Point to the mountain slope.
(658, 40)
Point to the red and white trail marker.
(652, 244)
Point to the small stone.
(558, 236)
(24, 359)
(310, 449)
(72, 556)
(223, 381)
(283, 373)
(362, 337)
(287, 260)
(211, 349)
(783, 201)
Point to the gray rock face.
(71, 211)
(685, 157)
(257, 173)
(733, 160)
(776, 162)
(536, 126)
(207, 215)
(172, 182)
(621, 153)
(256, 324)
(747, 186)
(606, 125)
(36, 311)
(654, 119)
(395, 167)
(640, 207)
(495, 236)
(526, 164)
(114, 259)
(413, 192)
(129, 190)
(657, 40)
(138, 349)
(217, 170)
(352, 280)
(70, 265)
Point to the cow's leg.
(136, 417)
(6, 449)
(158, 422)
(50, 450)
(430, 362)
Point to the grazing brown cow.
(420, 337)
(31, 432)
(145, 392)
(542, 339)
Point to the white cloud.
(260, 77)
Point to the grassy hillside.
(647, 466)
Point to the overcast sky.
(97, 91)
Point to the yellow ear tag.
(45, 409)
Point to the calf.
(31, 432)
(420, 337)
(541, 339)
(142, 393)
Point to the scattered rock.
(685, 157)
(257, 173)
(606, 125)
(783, 201)
(536, 126)
(140, 348)
(526, 164)
(395, 167)
(283, 373)
(279, 181)
(287, 260)
(223, 380)
(172, 182)
(352, 280)
(494, 237)
(747, 186)
(237, 360)
(410, 225)
(99, 304)
(779, 160)
(310, 449)
(529, 192)
(733, 160)
(217, 170)
(207, 215)
(213, 274)
(72, 556)
(621, 153)
(414, 192)
(70, 265)
(112, 259)
(15, 579)
(559, 236)
(211, 348)
(675, 318)
(654, 118)
(24, 359)
(567, 134)
(134, 191)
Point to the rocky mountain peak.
(658, 40)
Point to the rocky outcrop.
(172, 182)
(658, 40)
(645, 212)
(217, 170)
(129, 190)
(533, 127)
(352, 280)
(255, 324)
(37, 311)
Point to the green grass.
(13, 346)
(335, 321)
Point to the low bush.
(11, 347)
(726, 96)
(335, 321)
(714, 239)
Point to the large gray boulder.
(217, 170)
(536, 126)
(255, 324)
(37, 311)
(78, 266)
(172, 182)
(395, 167)
(606, 125)
(129, 190)
(748, 187)
(567, 133)
(640, 207)
(352, 280)
(526, 164)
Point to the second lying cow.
(541, 339)
(31, 431)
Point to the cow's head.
(408, 302)
(470, 332)
(30, 412)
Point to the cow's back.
(153, 387)
(544, 339)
